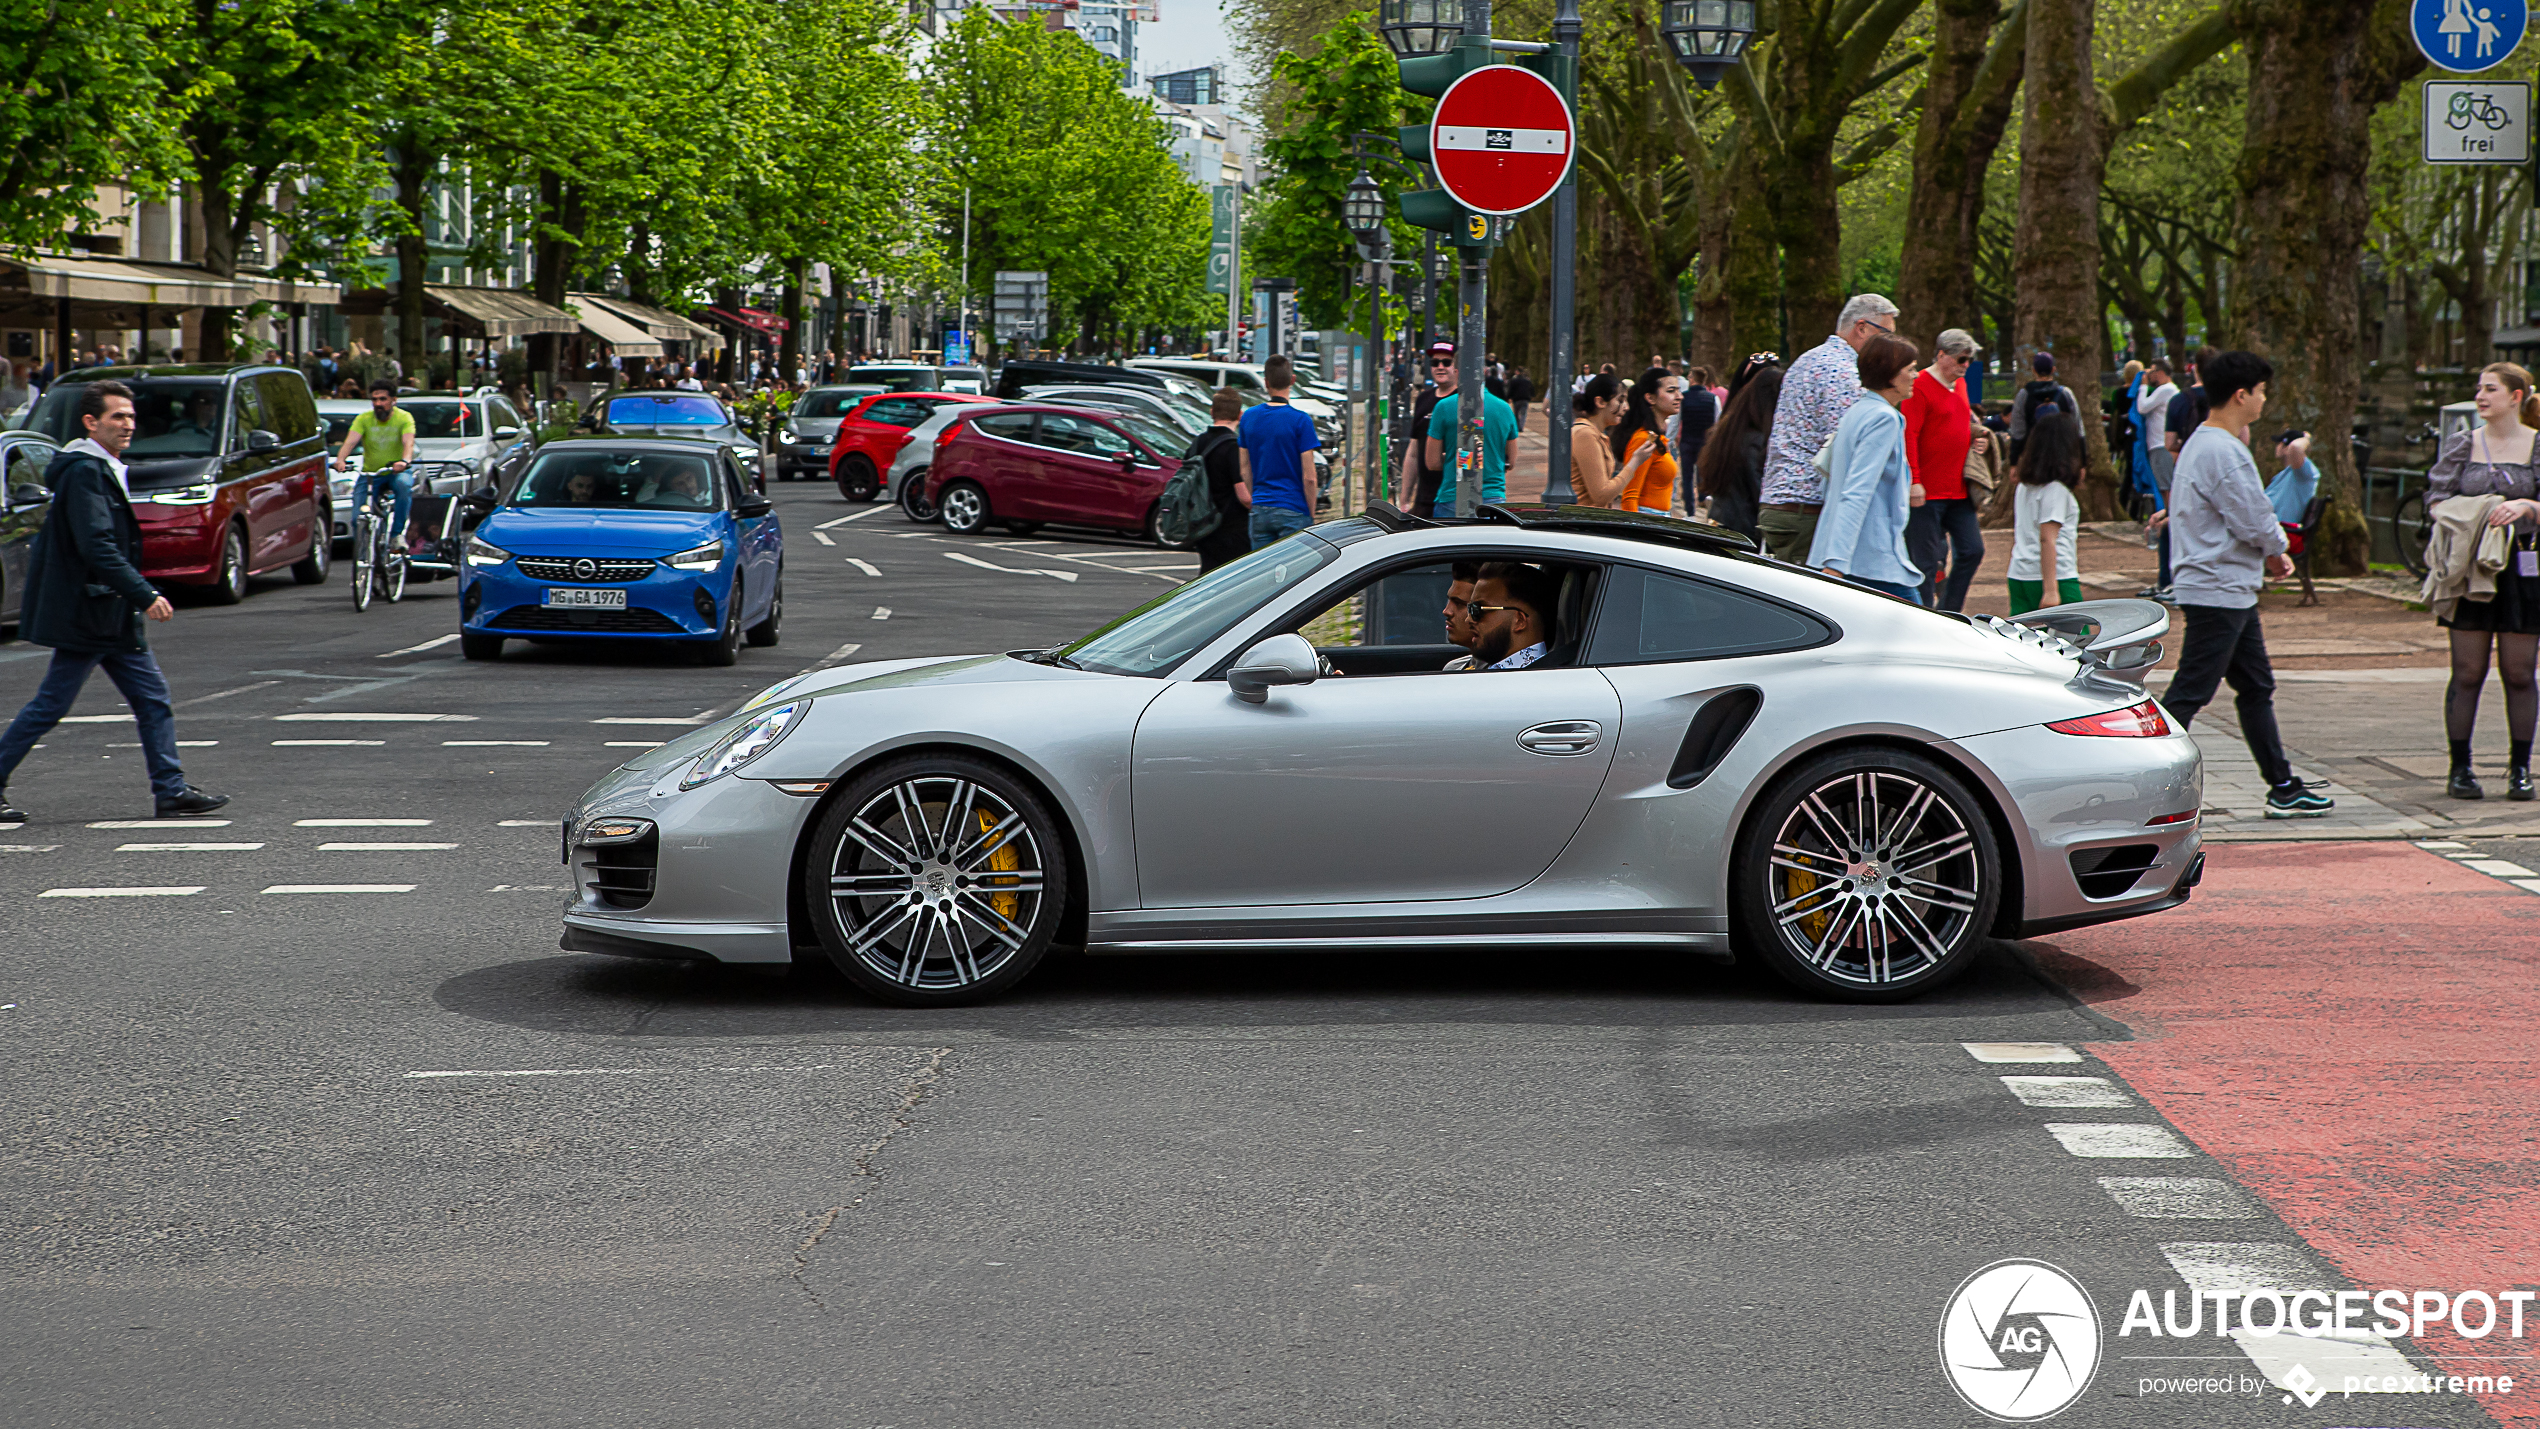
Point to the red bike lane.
(2353, 1030)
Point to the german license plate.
(559, 598)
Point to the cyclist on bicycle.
(387, 436)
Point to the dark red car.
(874, 430)
(1072, 466)
(227, 470)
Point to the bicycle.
(378, 562)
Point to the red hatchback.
(1074, 466)
(872, 433)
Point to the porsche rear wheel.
(936, 880)
(1867, 875)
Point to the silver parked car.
(1718, 754)
(459, 442)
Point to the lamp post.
(1557, 410)
(1708, 37)
(1364, 211)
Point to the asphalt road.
(388, 1157)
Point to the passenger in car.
(1458, 612)
(1513, 615)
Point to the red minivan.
(227, 470)
(1025, 465)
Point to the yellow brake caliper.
(1005, 860)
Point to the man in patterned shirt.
(1817, 390)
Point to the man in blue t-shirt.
(1499, 443)
(1278, 445)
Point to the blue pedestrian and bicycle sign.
(2467, 36)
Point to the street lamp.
(1363, 209)
(1420, 27)
(1708, 36)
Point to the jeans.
(2164, 463)
(1788, 534)
(1945, 531)
(1897, 589)
(143, 687)
(1276, 523)
(401, 492)
(2226, 643)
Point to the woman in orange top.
(1640, 443)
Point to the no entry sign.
(1501, 140)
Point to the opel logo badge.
(585, 568)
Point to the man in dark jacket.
(86, 598)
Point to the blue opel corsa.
(619, 538)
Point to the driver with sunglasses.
(1420, 483)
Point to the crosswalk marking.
(525, 823)
(373, 717)
(361, 823)
(380, 848)
(2185, 1198)
(2020, 1052)
(121, 892)
(2234, 1269)
(493, 743)
(2067, 1091)
(159, 823)
(338, 888)
(2121, 1139)
(183, 848)
(318, 743)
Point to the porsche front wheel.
(1867, 875)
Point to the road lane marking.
(2527, 885)
(2020, 1052)
(223, 694)
(121, 892)
(822, 537)
(834, 656)
(843, 520)
(867, 567)
(381, 848)
(971, 560)
(324, 743)
(28, 848)
(361, 823)
(375, 717)
(159, 823)
(628, 744)
(525, 823)
(2126, 1139)
(181, 744)
(434, 643)
(881, 612)
(2497, 867)
(2185, 1198)
(182, 848)
(494, 743)
(2067, 1091)
(2439, 843)
(615, 1071)
(2235, 1269)
(660, 719)
(95, 719)
(340, 888)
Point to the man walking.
(1499, 446)
(2224, 541)
(1521, 395)
(1940, 430)
(1420, 477)
(1278, 445)
(85, 597)
(1817, 390)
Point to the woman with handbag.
(2496, 459)
(1949, 454)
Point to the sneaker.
(190, 803)
(2296, 801)
(10, 815)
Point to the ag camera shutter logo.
(2019, 1341)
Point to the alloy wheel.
(938, 882)
(965, 509)
(1876, 880)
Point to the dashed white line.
(181, 744)
(324, 743)
(361, 823)
(2439, 843)
(614, 1072)
(159, 823)
(374, 717)
(686, 720)
(843, 520)
(28, 848)
(434, 643)
(381, 848)
(2020, 1052)
(881, 612)
(2120, 1139)
(493, 743)
(867, 567)
(95, 719)
(2067, 1091)
(121, 892)
(970, 560)
(2235, 1270)
(340, 888)
(2497, 867)
(223, 694)
(630, 744)
(834, 656)
(525, 823)
(822, 537)
(2185, 1198)
(183, 848)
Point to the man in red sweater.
(1939, 429)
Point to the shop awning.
(617, 332)
(661, 323)
(109, 280)
(472, 312)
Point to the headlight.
(705, 558)
(745, 451)
(614, 830)
(482, 553)
(756, 735)
(787, 436)
(199, 494)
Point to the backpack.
(2026, 403)
(1187, 512)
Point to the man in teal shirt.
(1499, 443)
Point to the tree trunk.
(2317, 71)
(413, 170)
(790, 307)
(219, 258)
(551, 258)
(1964, 111)
(1801, 191)
(1750, 272)
(2055, 257)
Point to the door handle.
(1562, 736)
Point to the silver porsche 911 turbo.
(1713, 752)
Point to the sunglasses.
(1441, 362)
(1477, 611)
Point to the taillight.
(2143, 721)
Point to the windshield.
(176, 417)
(896, 379)
(1162, 633)
(650, 481)
(443, 420)
(665, 411)
(827, 402)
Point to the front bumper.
(665, 605)
(721, 860)
(180, 544)
(2082, 811)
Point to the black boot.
(2463, 784)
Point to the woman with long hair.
(1730, 471)
(1640, 442)
(2046, 515)
(2496, 459)
(1599, 406)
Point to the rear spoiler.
(2113, 637)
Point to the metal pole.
(1380, 380)
(1234, 282)
(1472, 301)
(1557, 411)
(965, 263)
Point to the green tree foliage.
(1346, 86)
(83, 97)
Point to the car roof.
(937, 396)
(664, 442)
(138, 371)
(1580, 520)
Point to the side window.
(1398, 623)
(27, 461)
(1649, 618)
(290, 413)
(736, 490)
(246, 414)
(1013, 426)
(504, 416)
(901, 412)
(1081, 435)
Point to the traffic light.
(1431, 75)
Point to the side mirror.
(479, 502)
(753, 507)
(507, 432)
(29, 495)
(1279, 660)
(262, 441)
